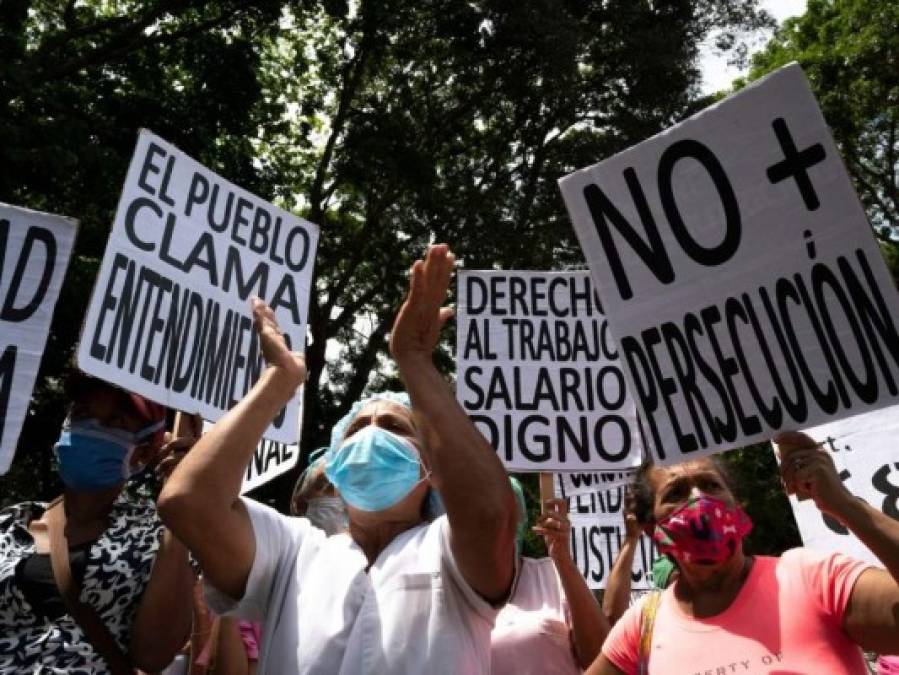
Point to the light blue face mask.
(373, 469)
(94, 457)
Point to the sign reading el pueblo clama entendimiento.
(170, 317)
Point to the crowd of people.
(402, 553)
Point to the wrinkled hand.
(416, 328)
(808, 471)
(274, 348)
(555, 528)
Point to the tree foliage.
(389, 123)
(850, 51)
(77, 82)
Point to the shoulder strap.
(85, 616)
(647, 622)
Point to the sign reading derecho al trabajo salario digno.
(539, 375)
(169, 317)
(739, 274)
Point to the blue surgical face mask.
(94, 457)
(374, 469)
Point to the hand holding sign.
(555, 528)
(809, 471)
(632, 529)
(418, 323)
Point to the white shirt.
(411, 613)
(532, 632)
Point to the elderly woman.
(804, 612)
(126, 580)
(397, 593)
(315, 498)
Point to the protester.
(126, 578)
(552, 624)
(804, 612)
(396, 594)
(315, 498)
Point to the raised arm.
(872, 616)
(479, 502)
(162, 622)
(617, 597)
(588, 625)
(200, 502)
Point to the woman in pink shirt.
(552, 624)
(731, 613)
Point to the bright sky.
(716, 74)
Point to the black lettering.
(131, 219)
(297, 265)
(197, 193)
(823, 276)
(733, 310)
(646, 390)
(721, 253)
(34, 235)
(873, 313)
(149, 167)
(7, 373)
(477, 302)
(651, 252)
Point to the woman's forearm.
(617, 597)
(471, 479)
(589, 626)
(200, 501)
(878, 532)
(162, 624)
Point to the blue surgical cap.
(337, 433)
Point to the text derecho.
(538, 372)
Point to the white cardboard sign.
(864, 452)
(739, 274)
(538, 372)
(597, 533)
(169, 317)
(573, 484)
(270, 460)
(34, 253)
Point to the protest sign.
(538, 372)
(740, 276)
(34, 254)
(573, 484)
(270, 460)
(597, 533)
(863, 449)
(169, 317)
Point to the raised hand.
(553, 524)
(274, 348)
(416, 328)
(808, 471)
(632, 529)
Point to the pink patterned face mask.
(705, 530)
